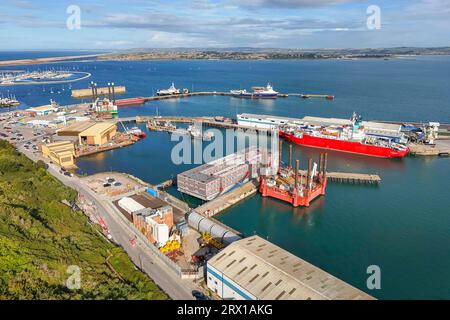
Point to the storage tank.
(194, 220)
(130, 205)
(161, 234)
(230, 237)
(202, 224)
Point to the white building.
(41, 123)
(43, 110)
(256, 269)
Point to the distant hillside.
(40, 237)
(268, 53)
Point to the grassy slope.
(40, 237)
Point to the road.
(175, 287)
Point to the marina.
(42, 77)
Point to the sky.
(299, 24)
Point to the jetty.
(225, 201)
(349, 177)
(225, 123)
(90, 93)
(440, 148)
(355, 178)
(165, 184)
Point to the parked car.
(199, 295)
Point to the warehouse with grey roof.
(256, 269)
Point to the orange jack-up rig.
(297, 187)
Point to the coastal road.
(175, 287)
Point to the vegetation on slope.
(40, 238)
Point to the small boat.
(238, 92)
(135, 131)
(197, 133)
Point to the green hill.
(40, 238)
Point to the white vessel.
(168, 92)
(266, 92)
(197, 133)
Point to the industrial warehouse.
(256, 269)
(99, 134)
(62, 153)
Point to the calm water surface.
(403, 225)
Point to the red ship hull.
(344, 146)
(140, 135)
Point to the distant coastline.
(238, 54)
(271, 54)
(22, 62)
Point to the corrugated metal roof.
(76, 128)
(323, 121)
(98, 128)
(270, 273)
(368, 124)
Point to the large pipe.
(301, 176)
(290, 156)
(308, 179)
(319, 174)
(297, 168)
(325, 164)
(280, 154)
(320, 164)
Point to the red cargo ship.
(352, 139)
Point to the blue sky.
(114, 24)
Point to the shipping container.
(152, 192)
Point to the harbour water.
(402, 226)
